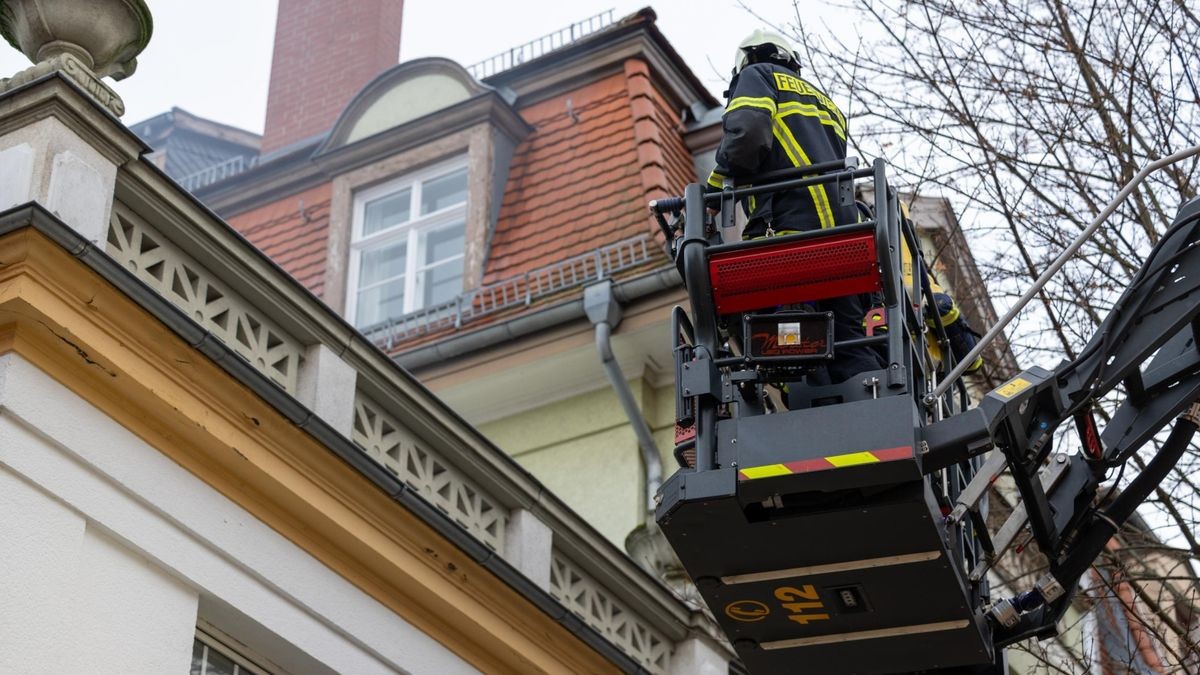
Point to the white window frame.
(242, 664)
(409, 231)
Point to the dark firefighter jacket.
(776, 120)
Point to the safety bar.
(1054, 267)
(676, 204)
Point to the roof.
(177, 118)
(607, 114)
(577, 189)
(293, 233)
(575, 182)
(194, 150)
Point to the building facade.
(196, 449)
(339, 398)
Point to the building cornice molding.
(63, 317)
(314, 165)
(265, 183)
(486, 107)
(187, 223)
(56, 96)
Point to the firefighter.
(774, 119)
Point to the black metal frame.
(699, 241)
(709, 378)
(1157, 321)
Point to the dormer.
(418, 162)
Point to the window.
(406, 251)
(212, 657)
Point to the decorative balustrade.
(387, 441)
(186, 283)
(598, 608)
(218, 172)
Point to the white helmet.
(760, 38)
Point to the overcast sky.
(213, 58)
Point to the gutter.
(35, 216)
(624, 292)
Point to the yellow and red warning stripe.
(824, 463)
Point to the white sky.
(213, 58)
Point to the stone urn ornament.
(84, 39)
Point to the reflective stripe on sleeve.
(762, 103)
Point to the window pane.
(380, 303)
(218, 664)
(388, 211)
(442, 243)
(197, 658)
(443, 283)
(382, 263)
(445, 191)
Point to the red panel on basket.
(793, 272)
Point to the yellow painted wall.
(585, 451)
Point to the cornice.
(55, 96)
(311, 166)
(484, 108)
(86, 333)
(295, 308)
(265, 183)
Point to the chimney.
(325, 52)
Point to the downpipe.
(605, 314)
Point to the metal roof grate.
(218, 172)
(516, 291)
(545, 44)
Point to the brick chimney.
(324, 53)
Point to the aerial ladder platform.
(842, 528)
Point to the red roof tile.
(574, 184)
(294, 232)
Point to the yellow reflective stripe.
(763, 102)
(778, 233)
(716, 180)
(796, 154)
(852, 459)
(949, 317)
(766, 471)
(753, 204)
(810, 110)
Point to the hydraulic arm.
(1147, 346)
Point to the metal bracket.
(1008, 532)
(845, 191)
(1050, 588)
(977, 488)
(700, 377)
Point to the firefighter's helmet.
(764, 44)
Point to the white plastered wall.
(108, 548)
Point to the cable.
(1146, 273)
